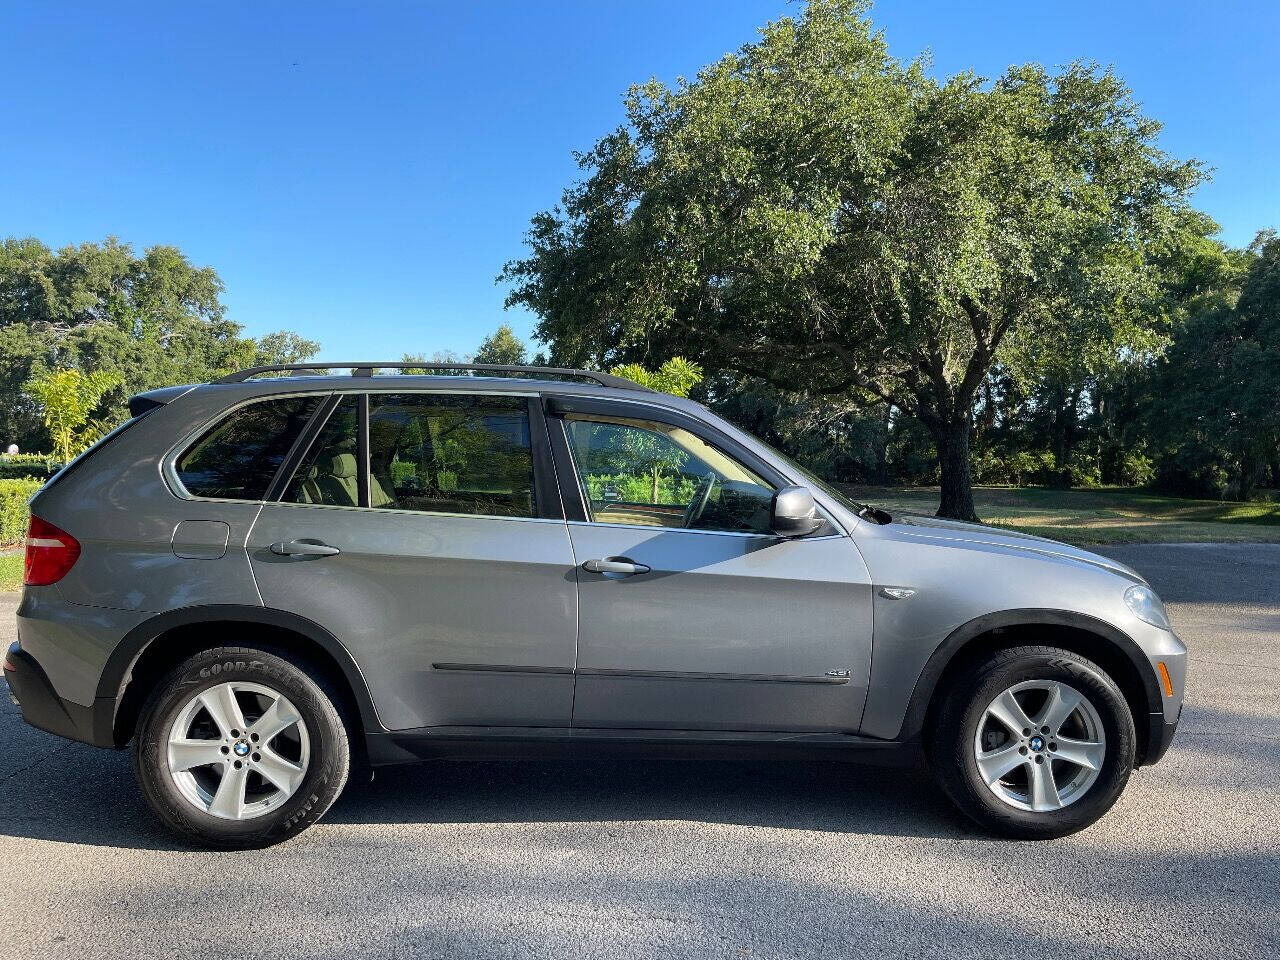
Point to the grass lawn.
(10, 572)
(1111, 515)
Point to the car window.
(329, 474)
(238, 457)
(654, 474)
(452, 453)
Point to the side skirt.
(518, 743)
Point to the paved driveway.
(693, 859)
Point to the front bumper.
(1160, 733)
(41, 706)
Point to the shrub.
(1136, 470)
(629, 488)
(14, 495)
(19, 465)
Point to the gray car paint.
(124, 510)
(727, 631)
(961, 572)
(489, 600)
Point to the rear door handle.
(619, 566)
(303, 548)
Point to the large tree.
(815, 213)
(145, 320)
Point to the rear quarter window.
(237, 458)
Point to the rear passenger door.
(423, 530)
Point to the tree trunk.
(957, 482)
(1247, 481)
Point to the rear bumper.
(40, 705)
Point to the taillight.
(51, 552)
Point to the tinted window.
(329, 474)
(238, 457)
(657, 475)
(451, 454)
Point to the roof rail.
(367, 370)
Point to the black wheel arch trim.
(119, 667)
(959, 638)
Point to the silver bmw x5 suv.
(263, 581)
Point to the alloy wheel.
(1040, 745)
(238, 750)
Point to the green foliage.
(283, 346)
(676, 376)
(631, 488)
(66, 399)
(150, 320)
(440, 356)
(11, 572)
(815, 213)
(18, 466)
(14, 496)
(502, 346)
(1214, 403)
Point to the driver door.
(722, 625)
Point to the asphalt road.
(652, 859)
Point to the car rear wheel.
(239, 747)
(1033, 742)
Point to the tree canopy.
(814, 213)
(501, 346)
(140, 320)
(1215, 403)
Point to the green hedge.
(14, 495)
(22, 465)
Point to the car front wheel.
(239, 747)
(1033, 742)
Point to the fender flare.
(963, 635)
(119, 666)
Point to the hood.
(936, 527)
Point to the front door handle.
(619, 566)
(303, 548)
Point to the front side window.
(237, 458)
(654, 474)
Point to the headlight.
(1146, 606)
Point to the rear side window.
(239, 456)
(428, 453)
(457, 453)
(330, 475)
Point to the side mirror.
(793, 513)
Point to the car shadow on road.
(777, 794)
(73, 793)
(60, 805)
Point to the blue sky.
(360, 172)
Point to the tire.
(283, 782)
(1019, 804)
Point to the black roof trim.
(367, 369)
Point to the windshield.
(843, 499)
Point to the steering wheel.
(701, 495)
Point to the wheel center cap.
(1036, 743)
(241, 748)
